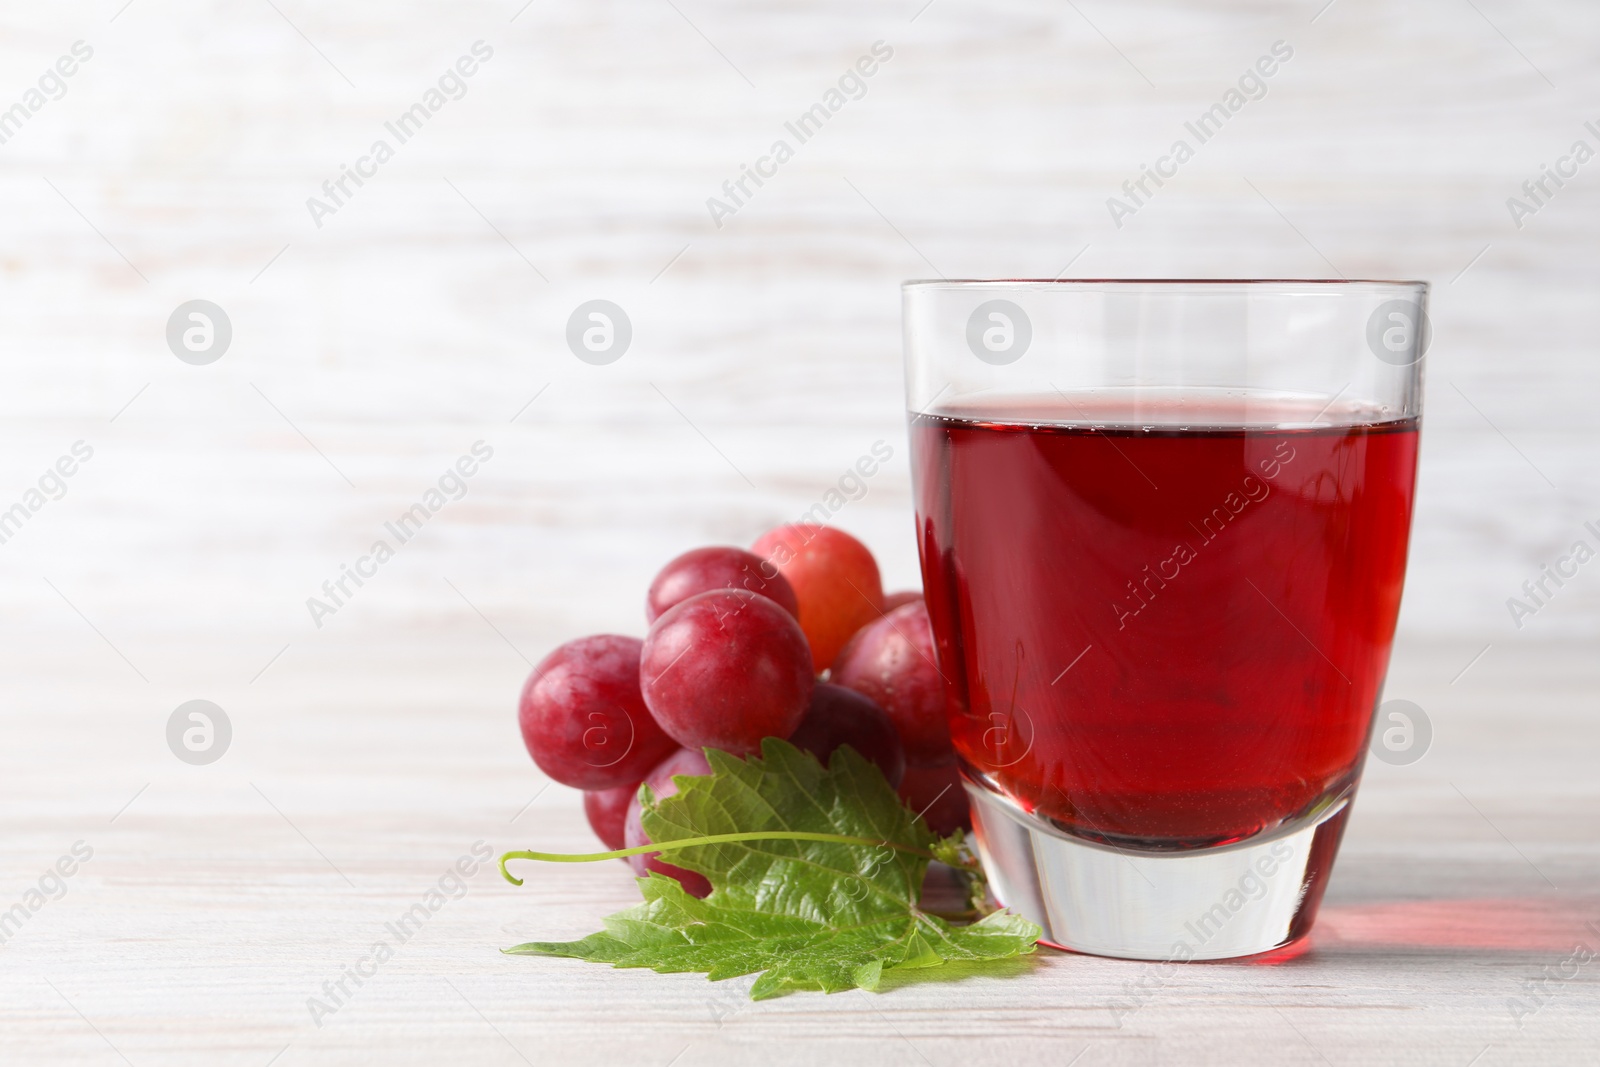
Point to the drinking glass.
(1163, 531)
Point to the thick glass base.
(1201, 904)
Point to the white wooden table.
(220, 899)
(428, 313)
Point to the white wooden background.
(423, 316)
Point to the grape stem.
(712, 839)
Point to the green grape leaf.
(820, 915)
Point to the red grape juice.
(1161, 635)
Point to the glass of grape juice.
(1163, 532)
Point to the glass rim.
(1161, 283)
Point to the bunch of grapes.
(793, 639)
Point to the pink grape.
(936, 794)
(900, 600)
(840, 716)
(701, 570)
(607, 811)
(892, 661)
(583, 718)
(686, 762)
(725, 669)
(835, 580)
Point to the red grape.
(686, 762)
(937, 795)
(583, 718)
(607, 810)
(716, 567)
(835, 580)
(899, 600)
(724, 669)
(891, 661)
(840, 716)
